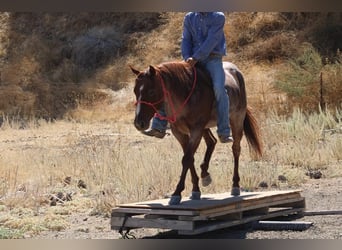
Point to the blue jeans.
(159, 123)
(215, 69)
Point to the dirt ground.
(321, 194)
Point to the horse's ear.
(135, 71)
(152, 70)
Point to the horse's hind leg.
(237, 131)
(210, 141)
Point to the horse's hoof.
(206, 181)
(235, 191)
(195, 196)
(175, 200)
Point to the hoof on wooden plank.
(175, 200)
(235, 191)
(195, 196)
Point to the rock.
(67, 180)
(81, 184)
(263, 184)
(282, 178)
(314, 174)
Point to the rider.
(203, 42)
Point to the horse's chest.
(181, 127)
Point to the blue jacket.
(202, 35)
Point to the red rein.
(167, 96)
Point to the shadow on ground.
(238, 232)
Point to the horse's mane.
(182, 73)
(177, 71)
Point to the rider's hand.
(191, 61)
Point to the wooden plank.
(292, 203)
(282, 225)
(160, 216)
(238, 205)
(256, 211)
(215, 225)
(243, 207)
(133, 210)
(322, 212)
(209, 214)
(207, 200)
(212, 212)
(269, 199)
(213, 200)
(229, 215)
(136, 222)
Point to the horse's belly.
(211, 123)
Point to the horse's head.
(149, 96)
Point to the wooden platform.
(212, 212)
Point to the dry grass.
(262, 36)
(96, 142)
(160, 45)
(4, 39)
(118, 164)
(304, 141)
(261, 94)
(59, 56)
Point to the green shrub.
(301, 79)
(309, 83)
(6, 233)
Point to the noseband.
(167, 96)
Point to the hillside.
(69, 152)
(61, 65)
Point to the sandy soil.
(321, 194)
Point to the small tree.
(301, 79)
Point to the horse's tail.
(252, 132)
(250, 124)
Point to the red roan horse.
(189, 101)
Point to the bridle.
(167, 96)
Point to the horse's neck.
(177, 91)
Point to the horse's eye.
(151, 93)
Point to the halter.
(167, 96)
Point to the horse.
(189, 102)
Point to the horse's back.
(229, 66)
(236, 89)
(234, 79)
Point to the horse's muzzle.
(140, 124)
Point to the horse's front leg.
(189, 145)
(176, 196)
(210, 141)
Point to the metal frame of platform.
(212, 212)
